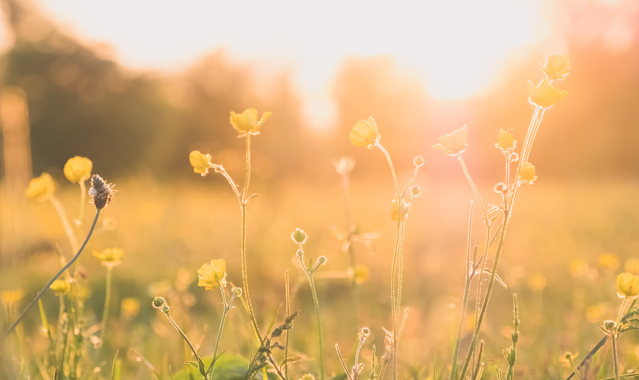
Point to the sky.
(458, 47)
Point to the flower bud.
(365, 332)
(505, 140)
(158, 302)
(78, 169)
(544, 94)
(165, 309)
(500, 187)
(527, 172)
(557, 67)
(415, 191)
(418, 161)
(41, 188)
(299, 236)
(200, 162)
(609, 325)
(321, 260)
(365, 133)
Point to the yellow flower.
(536, 282)
(557, 67)
(109, 257)
(632, 266)
(453, 143)
(567, 358)
(247, 122)
(628, 285)
(365, 133)
(78, 169)
(578, 268)
(545, 94)
(359, 274)
(308, 376)
(608, 261)
(130, 307)
(11, 297)
(211, 275)
(41, 188)
(200, 162)
(527, 172)
(505, 140)
(60, 287)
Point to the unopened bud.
(238, 291)
(158, 302)
(500, 187)
(609, 325)
(299, 236)
(415, 190)
(321, 260)
(418, 161)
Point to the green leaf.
(192, 364)
(291, 359)
(227, 367)
(341, 376)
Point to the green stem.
(319, 324)
(287, 296)
(46, 287)
(175, 325)
(65, 222)
(107, 303)
(472, 185)
(227, 307)
(615, 360)
(83, 201)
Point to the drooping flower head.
(200, 162)
(78, 169)
(41, 188)
(364, 133)
(109, 257)
(505, 140)
(212, 275)
(247, 122)
(545, 94)
(527, 172)
(453, 143)
(557, 66)
(628, 285)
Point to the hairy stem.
(65, 222)
(319, 324)
(107, 302)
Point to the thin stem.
(46, 287)
(390, 163)
(467, 276)
(287, 295)
(319, 324)
(227, 307)
(248, 167)
(65, 222)
(472, 185)
(186, 339)
(83, 201)
(615, 359)
(107, 303)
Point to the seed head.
(101, 191)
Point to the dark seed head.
(101, 192)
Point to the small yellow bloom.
(627, 285)
(545, 94)
(130, 307)
(608, 261)
(365, 133)
(200, 162)
(505, 140)
(308, 376)
(60, 287)
(11, 297)
(453, 143)
(527, 172)
(359, 274)
(632, 266)
(536, 282)
(557, 67)
(109, 257)
(41, 188)
(211, 275)
(247, 122)
(567, 358)
(78, 169)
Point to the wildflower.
(415, 190)
(527, 172)
(545, 94)
(130, 307)
(247, 122)
(418, 161)
(41, 188)
(78, 169)
(632, 266)
(308, 376)
(109, 257)
(365, 133)
(160, 304)
(608, 261)
(11, 297)
(453, 143)
(628, 285)
(505, 140)
(536, 282)
(567, 358)
(557, 67)
(395, 210)
(358, 274)
(578, 268)
(60, 287)
(299, 236)
(200, 162)
(344, 165)
(212, 275)
(101, 192)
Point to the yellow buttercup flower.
(130, 307)
(78, 169)
(364, 133)
(359, 274)
(557, 67)
(628, 285)
(11, 297)
(41, 188)
(505, 140)
(545, 94)
(60, 287)
(211, 275)
(308, 376)
(608, 261)
(527, 172)
(247, 122)
(200, 162)
(109, 257)
(453, 143)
